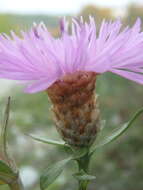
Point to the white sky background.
(57, 6)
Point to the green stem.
(17, 185)
(83, 185)
(83, 164)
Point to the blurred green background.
(118, 166)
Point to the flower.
(38, 59)
(67, 68)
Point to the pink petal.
(40, 85)
(138, 78)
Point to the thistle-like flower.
(67, 68)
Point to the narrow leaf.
(4, 168)
(8, 170)
(6, 173)
(3, 135)
(116, 133)
(51, 173)
(48, 141)
(79, 152)
(4, 153)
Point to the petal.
(136, 77)
(40, 85)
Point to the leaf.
(3, 135)
(83, 176)
(4, 168)
(6, 173)
(117, 133)
(51, 173)
(4, 154)
(48, 141)
(8, 170)
(79, 152)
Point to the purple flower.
(39, 60)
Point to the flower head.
(67, 68)
(40, 60)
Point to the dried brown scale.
(75, 108)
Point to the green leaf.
(7, 166)
(3, 134)
(8, 170)
(51, 173)
(6, 173)
(116, 133)
(4, 168)
(82, 176)
(79, 152)
(48, 141)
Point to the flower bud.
(75, 108)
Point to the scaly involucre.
(38, 59)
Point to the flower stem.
(83, 185)
(17, 185)
(83, 164)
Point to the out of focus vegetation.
(119, 166)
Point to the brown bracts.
(75, 108)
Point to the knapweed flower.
(67, 68)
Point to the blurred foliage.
(119, 165)
(17, 22)
(133, 12)
(98, 13)
(6, 23)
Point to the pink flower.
(39, 60)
